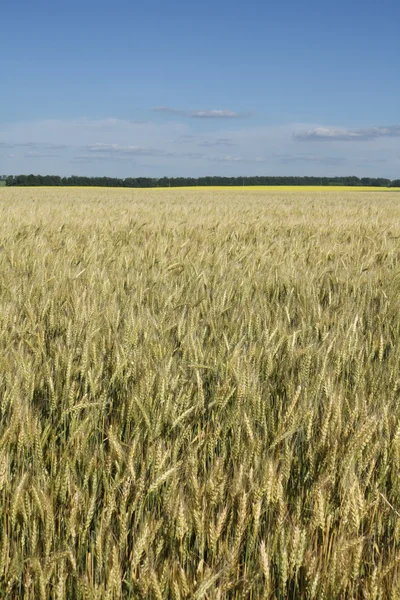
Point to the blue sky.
(183, 88)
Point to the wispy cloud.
(194, 155)
(217, 142)
(114, 149)
(35, 145)
(36, 154)
(347, 135)
(228, 158)
(201, 114)
(370, 161)
(174, 147)
(108, 124)
(169, 110)
(185, 139)
(310, 159)
(217, 114)
(90, 158)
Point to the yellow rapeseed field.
(199, 394)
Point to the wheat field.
(199, 394)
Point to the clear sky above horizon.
(213, 88)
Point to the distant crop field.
(289, 188)
(250, 188)
(200, 393)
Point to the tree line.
(151, 182)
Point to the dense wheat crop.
(199, 394)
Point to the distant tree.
(146, 182)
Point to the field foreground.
(199, 394)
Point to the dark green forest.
(149, 182)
